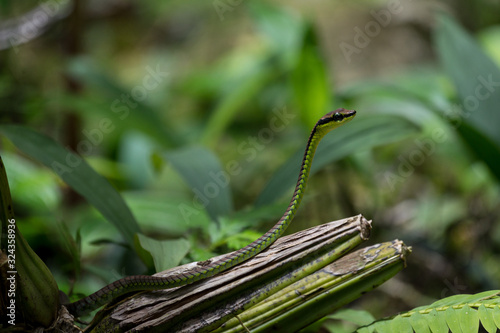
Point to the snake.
(137, 283)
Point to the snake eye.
(337, 116)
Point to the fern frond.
(458, 314)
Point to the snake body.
(129, 284)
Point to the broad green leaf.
(331, 327)
(490, 39)
(400, 324)
(169, 214)
(360, 134)
(135, 154)
(419, 323)
(486, 318)
(453, 320)
(477, 80)
(166, 253)
(383, 326)
(204, 174)
(496, 316)
(469, 319)
(436, 322)
(359, 317)
(481, 146)
(309, 80)
(33, 187)
(76, 173)
(36, 291)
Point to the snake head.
(334, 119)
(339, 115)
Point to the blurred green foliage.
(198, 122)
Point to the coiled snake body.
(129, 284)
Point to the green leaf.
(166, 253)
(135, 154)
(36, 291)
(383, 327)
(203, 172)
(359, 317)
(32, 187)
(453, 320)
(309, 80)
(496, 316)
(419, 323)
(469, 320)
(481, 146)
(477, 80)
(436, 322)
(76, 173)
(458, 313)
(166, 213)
(486, 318)
(402, 325)
(361, 134)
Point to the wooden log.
(191, 307)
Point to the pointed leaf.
(166, 253)
(481, 146)
(77, 174)
(419, 323)
(203, 172)
(359, 317)
(36, 294)
(172, 214)
(401, 324)
(486, 317)
(453, 320)
(496, 316)
(436, 322)
(469, 320)
(383, 326)
(477, 80)
(309, 80)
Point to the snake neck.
(305, 168)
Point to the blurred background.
(197, 112)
